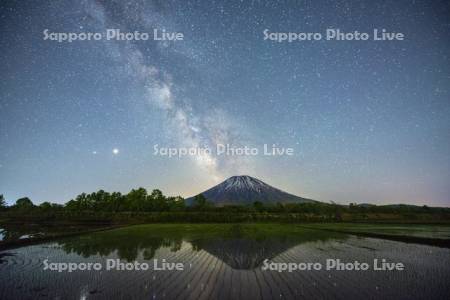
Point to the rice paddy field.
(227, 261)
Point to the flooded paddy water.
(223, 261)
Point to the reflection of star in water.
(115, 151)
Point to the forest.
(141, 206)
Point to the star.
(115, 151)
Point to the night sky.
(368, 120)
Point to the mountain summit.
(242, 190)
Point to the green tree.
(2, 202)
(158, 201)
(137, 200)
(46, 206)
(279, 207)
(201, 203)
(24, 204)
(175, 203)
(72, 205)
(117, 202)
(83, 202)
(258, 206)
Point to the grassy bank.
(121, 218)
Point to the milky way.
(368, 120)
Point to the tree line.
(140, 200)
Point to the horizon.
(12, 202)
(362, 121)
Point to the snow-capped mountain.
(247, 190)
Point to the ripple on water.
(216, 275)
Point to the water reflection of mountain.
(240, 247)
(243, 253)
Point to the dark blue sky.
(368, 120)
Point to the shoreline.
(430, 241)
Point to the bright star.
(115, 151)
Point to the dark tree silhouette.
(200, 202)
(24, 203)
(2, 202)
